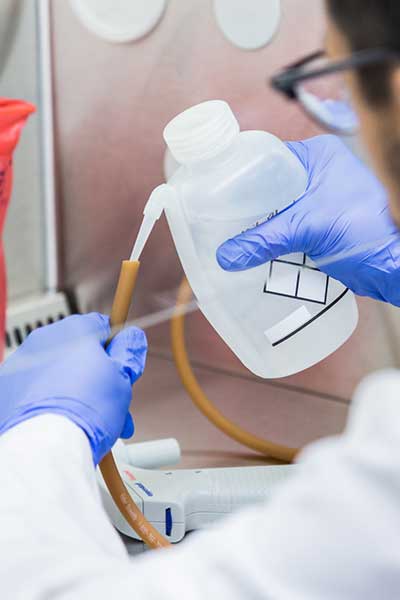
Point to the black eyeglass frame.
(288, 79)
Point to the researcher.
(331, 532)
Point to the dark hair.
(370, 24)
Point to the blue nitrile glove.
(342, 222)
(63, 369)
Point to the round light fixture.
(119, 21)
(248, 24)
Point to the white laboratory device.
(278, 318)
(178, 501)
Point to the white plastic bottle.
(278, 318)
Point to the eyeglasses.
(318, 84)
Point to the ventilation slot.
(18, 337)
(8, 340)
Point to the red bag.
(13, 115)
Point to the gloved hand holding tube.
(342, 222)
(64, 369)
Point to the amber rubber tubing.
(108, 468)
(203, 403)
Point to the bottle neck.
(229, 155)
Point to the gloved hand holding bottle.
(342, 222)
(63, 369)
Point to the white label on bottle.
(289, 324)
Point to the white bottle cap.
(148, 455)
(201, 132)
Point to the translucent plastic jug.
(278, 318)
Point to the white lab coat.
(331, 532)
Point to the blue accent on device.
(168, 521)
(144, 488)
